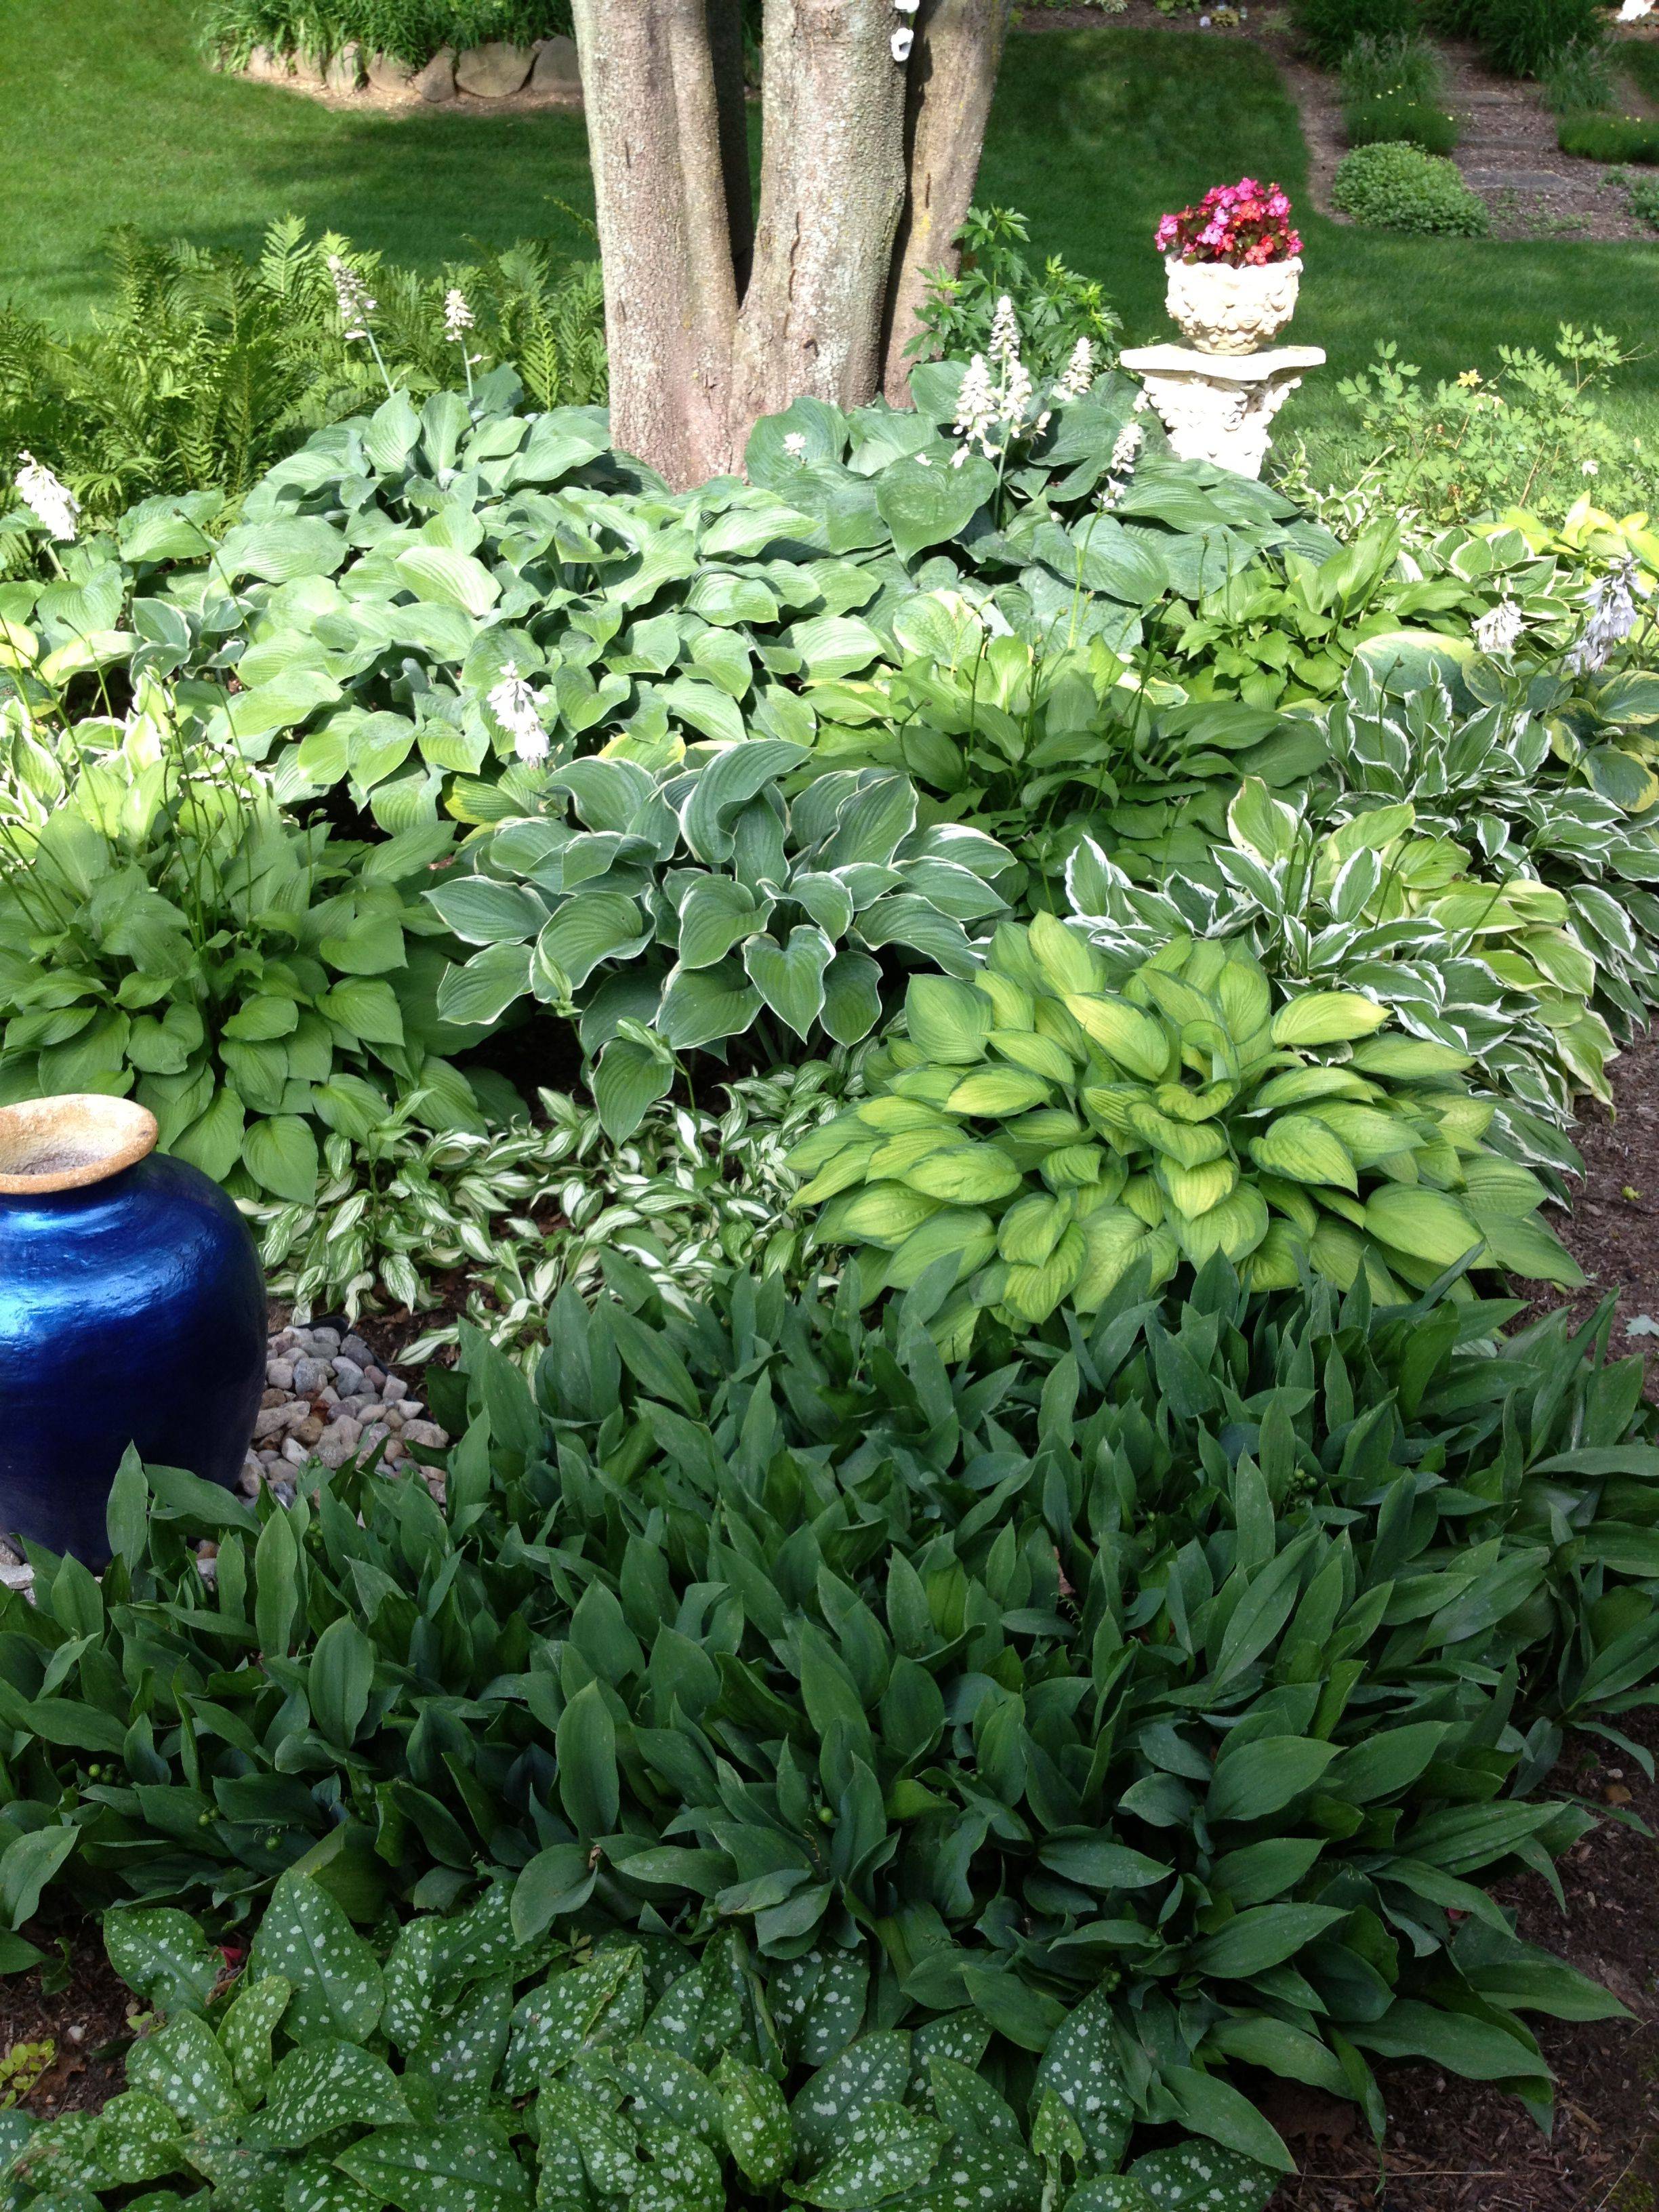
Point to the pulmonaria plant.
(1244, 224)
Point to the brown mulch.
(1509, 154)
(1613, 1230)
(77, 2003)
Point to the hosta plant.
(699, 904)
(985, 1679)
(471, 2066)
(1042, 1132)
(522, 1210)
(166, 932)
(1494, 968)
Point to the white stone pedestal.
(1220, 407)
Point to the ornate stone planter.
(1222, 310)
(1220, 408)
(132, 1311)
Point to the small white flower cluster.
(997, 393)
(515, 707)
(1612, 618)
(458, 317)
(1499, 628)
(356, 304)
(1120, 467)
(905, 37)
(794, 443)
(1078, 373)
(53, 504)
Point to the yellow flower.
(1469, 378)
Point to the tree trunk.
(660, 191)
(869, 156)
(832, 191)
(953, 73)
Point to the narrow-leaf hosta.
(1039, 1133)
(993, 1680)
(463, 2066)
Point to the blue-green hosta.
(1047, 1133)
(1494, 968)
(473, 2067)
(677, 908)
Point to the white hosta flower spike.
(1611, 619)
(514, 707)
(1499, 627)
(1078, 373)
(1003, 344)
(977, 410)
(356, 303)
(53, 504)
(458, 316)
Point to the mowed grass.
(114, 118)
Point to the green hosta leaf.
(163, 1954)
(339, 1681)
(327, 2085)
(1304, 1151)
(790, 977)
(1080, 2067)
(924, 503)
(449, 578)
(593, 926)
(281, 1153)
(306, 1938)
(1426, 1225)
(1264, 1777)
(1203, 2177)
(462, 2166)
(585, 1745)
(1327, 1018)
(187, 2067)
(483, 912)
(627, 1084)
(477, 994)
(755, 2120)
(1263, 1936)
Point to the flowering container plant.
(1234, 266)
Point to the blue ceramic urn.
(132, 1311)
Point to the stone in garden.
(306, 69)
(387, 74)
(493, 71)
(310, 1432)
(325, 1339)
(266, 67)
(344, 72)
(353, 1348)
(556, 68)
(279, 1374)
(295, 1452)
(1220, 407)
(374, 1377)
(348, 1375)
(424, 1432)
(309, 1376)
(394, 1388)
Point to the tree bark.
(832, 191)
(725, 51)
(659, 190)
(953, 73)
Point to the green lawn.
(1094, 134)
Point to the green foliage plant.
(1056, 309)
(167, 934)
(1527, 37)
(467, 2064)
(1400, 187)
(1329, 1612)
(1643, 195)
(205, 366)
(1043, 1133)
(1495, 969)
(408, 30)
(1329, 28)
(1579, 81)
(1405, 67)
(1609, 137)
(698, 903)
(1390, 119)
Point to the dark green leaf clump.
(1212, 1655)
(450, 2070)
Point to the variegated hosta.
(524, 1211)
(695, 900)
(1491, 778)
(1495, 969)
(1044, 1132)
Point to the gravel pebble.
(326, 1402)
(279, 1373)
(347, 1376)
(354, 1349)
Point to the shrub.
(1405, 66)
(1609, 137)
(1643, 194)
(1400, 187)
(332, 2062)
(1047, 1134)
(409, 30)
(166, 932)
(1395, 120)
(1327, 28)
(861, 1629)
(1056, 309)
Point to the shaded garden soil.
(1509, 154)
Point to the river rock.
(437, 82)
(344, 72)
(387, 74)
(493, 71)
(556, 68)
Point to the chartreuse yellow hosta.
(1048, 1133)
